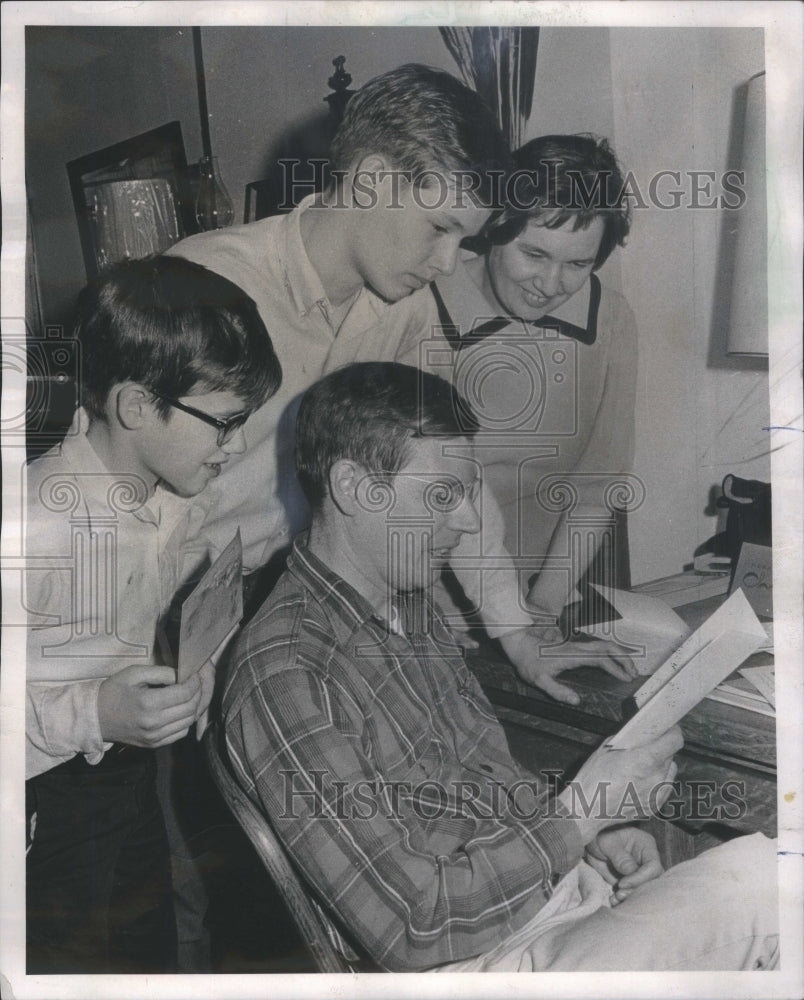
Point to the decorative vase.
(213, 206)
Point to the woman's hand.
(538, 656)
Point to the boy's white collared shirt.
(103, 562)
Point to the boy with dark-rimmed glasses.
(174, 359)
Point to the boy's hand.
(538, 659)
(620, 786)
(625, 856)
(143, 706)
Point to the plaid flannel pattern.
(386, 774)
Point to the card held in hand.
(704, 660)
(211, 611)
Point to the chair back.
(316, 930)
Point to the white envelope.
(648, 628)
(707, 657)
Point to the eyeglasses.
(226, 427)
(445, 492)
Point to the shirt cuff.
(561, 837)
(66, 716)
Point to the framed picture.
(132, 198)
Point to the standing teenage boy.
(174, 360)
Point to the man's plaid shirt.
(386, 774)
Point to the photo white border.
(782, 22)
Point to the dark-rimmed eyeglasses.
(227, 427)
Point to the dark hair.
(171, 325)
(422, 119)
(564, 178)
(369, 412)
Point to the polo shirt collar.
(301, 278)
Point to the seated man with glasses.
(174, 358)
(354, 723)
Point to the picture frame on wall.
(132, 198)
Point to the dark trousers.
(98, 888)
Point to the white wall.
(698, 415)
(574, 94)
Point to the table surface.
(723, 743)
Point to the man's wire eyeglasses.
(445, 492)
